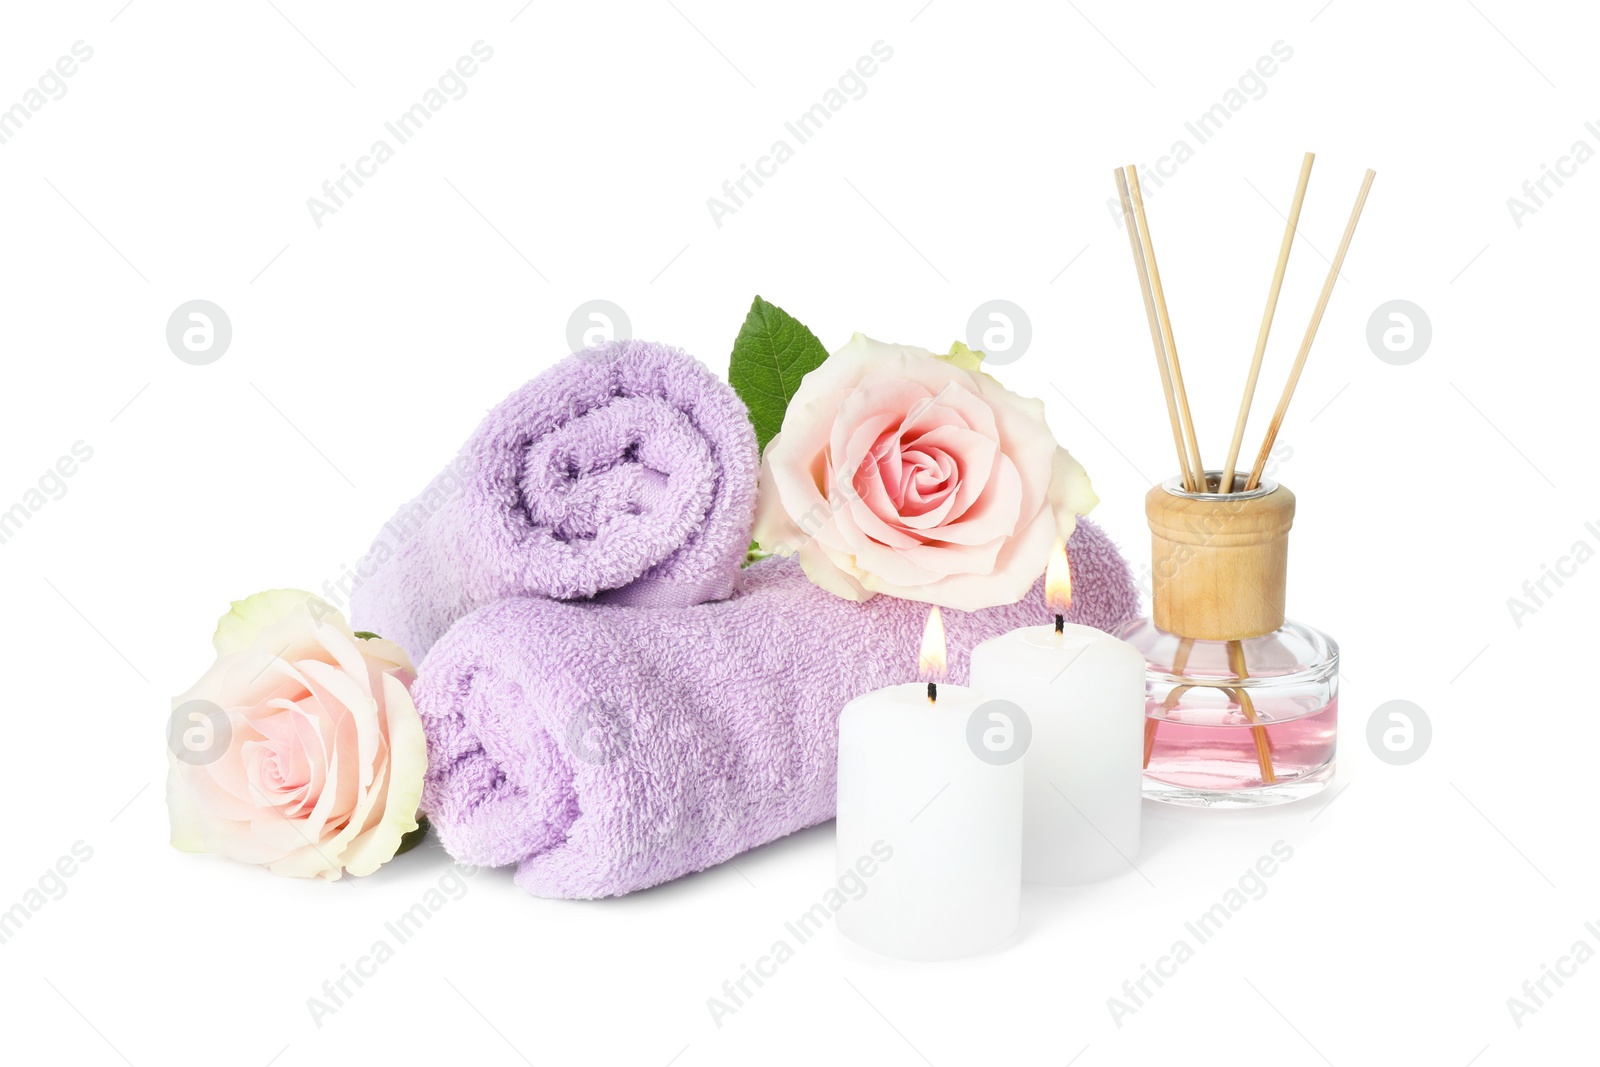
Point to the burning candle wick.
(931, 660)
(1058, 584)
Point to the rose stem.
(1155, 329)
(1293, 221)
(1165, 319)
(1311, 333)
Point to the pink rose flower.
(300, 750)
(902, 472)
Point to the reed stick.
(1180, 658)
(1173, 696)
(1258, 733)
(1180, 663)
(1198, 467)
(1155, 330)
(1292, 223)
(1311, 334)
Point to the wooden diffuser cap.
(1220, 560)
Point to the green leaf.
(414, 838)
(772, 353)
(367, 635)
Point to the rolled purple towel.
(604, 750)
(626, 472)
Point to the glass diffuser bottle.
(1241, 705)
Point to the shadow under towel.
(626, 472)
(604, 750)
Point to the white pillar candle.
(933, 831)
(1083, 693)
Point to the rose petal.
(1071, 492)
(881, 401)
(827, 571)
(270, 620)
(774, 530)
(383, 655)
(182, 812)
(408, 758)
(1025, 436)
(919, 477)
(977, 454)
(345, 650)
(995, 514)
(895, 565)
(1017, 566)
(869, 505)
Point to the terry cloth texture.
(603, 750)
(627, 472)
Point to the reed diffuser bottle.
(1241, 705)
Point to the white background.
(977, 166)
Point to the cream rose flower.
(903, 472)
(300, 750)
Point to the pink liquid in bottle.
(1217, 738)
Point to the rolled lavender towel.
(627, 471)
(604, 750)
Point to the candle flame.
(1058, 580)
(931, 660)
